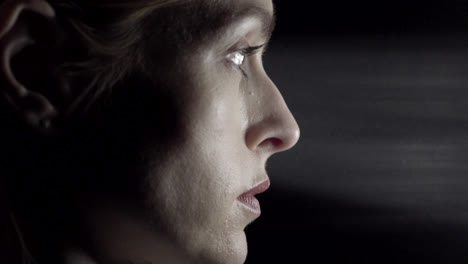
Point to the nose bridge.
(272, 125)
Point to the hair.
(109, 34)
(102, 45)
(104, 42)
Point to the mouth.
(249, 200)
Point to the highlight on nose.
(275, 132)
(274, 128)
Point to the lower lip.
(251, 203)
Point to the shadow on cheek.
(134, 121)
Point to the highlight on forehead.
(267, 19)
(225, 15)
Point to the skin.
(227, 120)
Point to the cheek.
(213, 141)
(194, 195)
(217, 109)
(194, 185)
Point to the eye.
(237, 57)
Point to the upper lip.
(259, 188)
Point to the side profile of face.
(196, 182)
(232, 119)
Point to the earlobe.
(31, 103)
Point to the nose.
(272, 127)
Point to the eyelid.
(244, 48)
(246, 52)
(238, 56)
(249, 51)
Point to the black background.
(328, 17)
(380, 174)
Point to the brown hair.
(105, 42)
(109, 34)
(103, 45)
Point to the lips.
(249, 200)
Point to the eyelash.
(238, 57)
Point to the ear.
(25, 48)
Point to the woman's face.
(231, 118)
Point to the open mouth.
(250, 201)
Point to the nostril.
(272, 135)
(271, 143)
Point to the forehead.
(266, 5)
(230, 14)
(241, 9)
(191, 24)
(260, 10)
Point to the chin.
(227, 252)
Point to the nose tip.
(291, 137)
(271, 125)
(276, 132)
